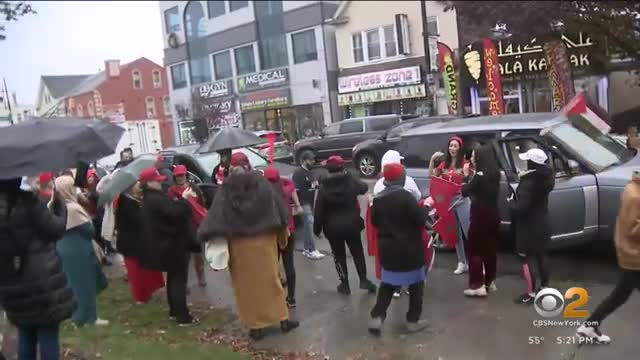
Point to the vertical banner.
(445, 57)
(492, 75)
(560, 76)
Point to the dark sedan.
(367, 154)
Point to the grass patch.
(144, 331)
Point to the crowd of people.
(53, 233)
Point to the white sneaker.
(479, 292)
(101, 322)
(461, 269)
(493, 287)
(593, 334)
(315, 254)
(306, 253)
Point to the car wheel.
(301, 154)
(367, 165)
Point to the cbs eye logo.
(550, 302)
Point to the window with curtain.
(358, 50)
(373, 44)
(273, 52)
(222, 65)
(245, 62)
(304, 46)
(390, 44)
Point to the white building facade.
(260, 65)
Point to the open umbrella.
(38, 145)
(230, 138)
(120, 180)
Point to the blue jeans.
(307, 218)
(462, 258)
(46, 337)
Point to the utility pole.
(427, 56)
(6, 95)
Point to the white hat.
(536, 155)
(391, 157)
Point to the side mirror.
(321, 134)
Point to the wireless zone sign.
(550, 302)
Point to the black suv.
(339, 138)
(367, 154)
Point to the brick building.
(134, 91)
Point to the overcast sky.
(75, 38)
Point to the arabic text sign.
(263, 80)
(213, 89)
(363, 97)
(266, 99)
(381, 79)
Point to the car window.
(399, 129)
(210, 160)
(473, 140)
(381, 124)
(557, 163)
(417, 150)
(331, 130)
(350, 127)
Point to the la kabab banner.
(445, 60)
(493, 79)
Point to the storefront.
(215, 102)
(266, 104)
(395, 91)
(523, 69)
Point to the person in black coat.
(166, 243)
(530, 211)
(337, 214)
(33, 287)
(399, 220)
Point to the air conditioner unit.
(174, 40)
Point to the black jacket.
(530, 211)
(483, 190)
(399, 220)
(337, 212)
(129, 227)
(35, 292)
(166, 241)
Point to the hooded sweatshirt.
(337, 211)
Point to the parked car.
(282, 147)
(339, 138)
(591, 168)
(367, 154)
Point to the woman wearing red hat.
(337, 215)
(253, 220)
(399, 220)
(181, 185)
(167, 240)
(455, 169)
(288, 190)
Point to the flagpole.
(6, 93)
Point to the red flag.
(443, 192)
(272, 146)
(494, 81)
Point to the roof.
(487, 123)
(59, 85)
(89, 84)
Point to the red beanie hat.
(272, 174)
(239, 159)
(46, 177)
(393, 172)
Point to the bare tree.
(11, 11)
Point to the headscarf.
(76, 214)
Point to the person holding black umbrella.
(221, 171)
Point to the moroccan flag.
(443, 192)
(445, 60)
(493, 78)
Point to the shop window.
(79, 111)
(157, 79)
(151, 107)
(137, 79)
(304, 46)
(373, 44)
(178, 76)
(172, 20)
(390, 43)
(273, 52)
(237, 5)
(166, 102)
(245, 62)
(222, 65)
(216, 8)
(358, 50)
(90, 110)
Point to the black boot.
(344, 288)
(366, 284)
(288, 325)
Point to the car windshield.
(210, 160)
(596, 149)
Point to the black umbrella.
(230, 138)
(38, 145)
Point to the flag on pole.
(578, 109)
(443, 192)
(272, 146)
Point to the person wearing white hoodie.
(394, 157)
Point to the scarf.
(76, 214)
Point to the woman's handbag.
(217, 253)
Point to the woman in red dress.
(455, 169)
